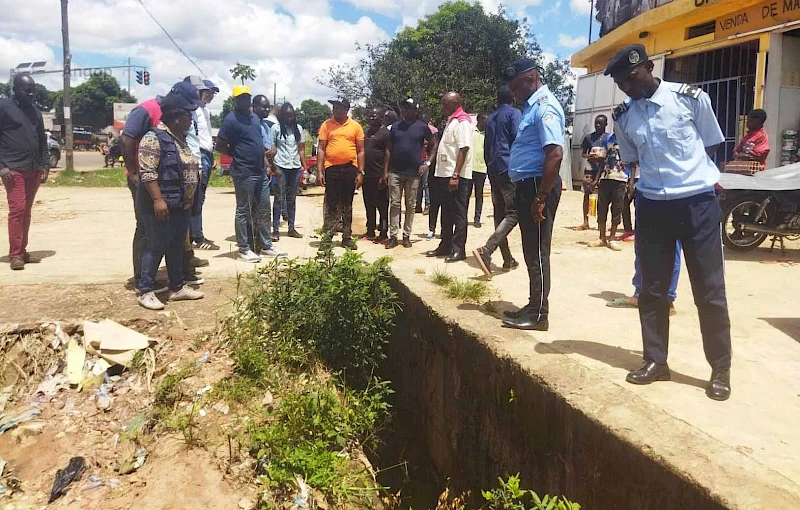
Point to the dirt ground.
(84, 236)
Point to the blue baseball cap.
(188, 91)
(175, 101)
(521, 66)
(210, 85)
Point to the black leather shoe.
(406, 242)
(511, 264)
(457, 256)
(649, 373)
(484, 260)
(527, 322)
(438, 252)
(719, 388)
(392, 243)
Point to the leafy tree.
(439, 55)
(93, 101)
(312, 114)
(5, 90)
(216, 120)
(227, 107)
(243, 72)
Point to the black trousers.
(340, 187)
(695, 222)
(478, 183)
(376, 202)
(438, 191)
(627, 219)
(504, 195)
(139, 235)
(454, 216)
(536, 240)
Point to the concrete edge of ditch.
(566, 430)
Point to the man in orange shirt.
(340, 168)
(755, 144)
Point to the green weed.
(470, 292)
(441, 278)
(509, 496)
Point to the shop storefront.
(745, 54)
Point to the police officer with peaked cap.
(533, 167)
(670, 130)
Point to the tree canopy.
(44, 98)
(93, 101)
(312, 114)
(461, 47)
(243, 72)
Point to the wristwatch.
(427, 163)
(540, 197)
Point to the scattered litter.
(30, 428)
(103, 398)
(203, 390)
(301, 500)
(2, 489)
(61, 337)
(100, 366)
(180, 321)
(134, 463)
(48, 388)
(96, 482)
(222, 408)
(8, 422)
(267, 398)
(113, 342)
(202, 413)
(202, 359)
(76, 358)
(92, 382)
(135, 424)
(2, 466)
(65, 477)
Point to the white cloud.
(571, 42)
(287, 42)
(580, 6)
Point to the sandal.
(581, 228)
(620, 302)
(598, 243)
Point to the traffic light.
(139, 77)
(147, 77)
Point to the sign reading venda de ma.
(764, 15)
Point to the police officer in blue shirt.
(670, 129)
(533, 166)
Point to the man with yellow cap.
(240, 137)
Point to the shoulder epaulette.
(619, 111)
(689, 90)
(543, 100)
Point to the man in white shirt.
(202, 129)
(454, 164)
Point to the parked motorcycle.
(758, 206)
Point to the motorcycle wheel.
(740, 212)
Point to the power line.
(170, 37)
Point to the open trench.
(465, 416)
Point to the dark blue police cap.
(188, 91)
(519, 67)
(175, 101)
(626, 58)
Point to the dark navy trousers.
(695, 222)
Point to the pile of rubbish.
(38, 361)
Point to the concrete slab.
(744, 451)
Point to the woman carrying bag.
(167, 197)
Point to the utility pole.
(274, 93)
(591, 15)
(129, 75)
(69, 165)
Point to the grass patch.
(464, 290)
(116, 178)
(441, 278)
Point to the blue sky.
(289, 42)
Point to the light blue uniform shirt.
(542, 124)
(668, 135)
(266, 134)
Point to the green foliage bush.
(509, 496)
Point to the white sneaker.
(249, 256)
(150, 301)
(431, 236)
(185, 294)
(272, 252)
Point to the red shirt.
(755, 144)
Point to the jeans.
(454, 216)
(206, 162)
(139, 235)
(695, 222)
(252, 218)
(166, 238)
(340, 186)
(505, 214)
(478, 183)
(536, 241)
(376, 202)
(673, 284)
(291, 181)
(423, 194)
(21, 192)
(399, 185)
